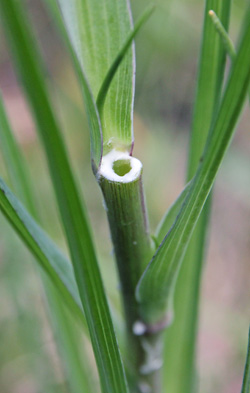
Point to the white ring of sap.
(106, 168)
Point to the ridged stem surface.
(120, 178)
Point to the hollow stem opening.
(122, 167)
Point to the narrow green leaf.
(181, 336)
(73, 214)
(52, 261)
(210, 79)
(97, 30)
(157, 282)
(95, 127)
(171, 215)
(13, 160)
(227, 42)
(63, 322)
(101, 97)
(246, 379)
(225, 38)
(90, 105)
(74, 355)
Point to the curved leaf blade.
(209, 83)
(50, 258)
(94, 122)
(157, 283)
(89, 282)
(13, 160)
(63, 323)
(171, 215)
(102, 94)
(181, 337)
(97, 30)
(225, 38)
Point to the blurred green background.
(167, 51)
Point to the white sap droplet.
(139, 328)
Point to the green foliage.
(49, 257)
(96, 48)
(104, 89)
(99, 37)
(14, 162)
(51, 261)
(156, 285)
(181, 343)
(71, 208)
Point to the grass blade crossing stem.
(74, 218)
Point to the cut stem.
(120, 178)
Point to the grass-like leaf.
(68, 335)
(155, 288)
(63, 322)
(14, 162)
(246, 378)
(50, 258)
(170, 216)
(89, 101)
(227, 42)
(101, 97)
(74, 218)
(210, 79)
(225, 38)
(97, 30)
(180, 341)
(96, 135)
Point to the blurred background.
(167, 55)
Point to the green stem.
(120, 178)
(227, 42)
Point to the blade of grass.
(12, 157)
(74, 356)
(170, 216)
(225, 38)
(209, 83)
(157, 283)
(246, 379)
(180, 342)
(96, 133)
(96, 48)
(62, 322)
(90, 105)
(73, 214)
(227, 42)
(102, 94)
(49, 257)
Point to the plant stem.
(120, 178)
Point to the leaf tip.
(211, 13)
